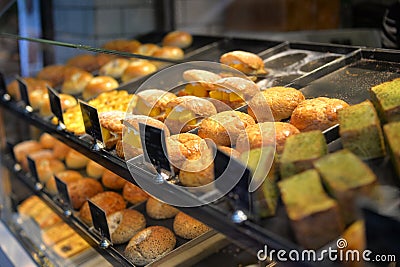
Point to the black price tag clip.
(56, 108)
(227, 169)
(92, 125)
(63, 196)
(155, 152)
(99, 220)
(16, 166)
(32, 167)
(23, 89)
(3, 88)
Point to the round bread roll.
(112, 120)
(60, 150)
(37, 98)
(180, 39)
(281, 100)
(82, 189)
(94, 170)
(86, 62)
(108, 201)
(36, 156)
(152, 102)
(67, 101)
(137, 69)
(133, 194)
(150, 244)
(159, 210)
(75, 81)
(47, 141)
(125, 224)
(112, 180)
(225, 127)
(103, 59)
(99, 85)
(32, 84)
(52, 73)
(76, 160)
(244, 88)
(317, 114)
(122, 45)
(24, 148)
(188, 227)
(186, 112)
(183, 147)
(167, 52)
(262, 134)
(246, 62)
(195, 75)
(46, 168)
(67, 176)
(147, 49)
(115, 68)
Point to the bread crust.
(187, 227)
(125, 224)
(159, 210)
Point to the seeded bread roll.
(159, 210)
(109, 201)
(134, 194)
(188, 227)
(67, 176)
(125, 224)
(112, 180)
(225, 127)
(82, 189)
(150, 244)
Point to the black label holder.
(63, 196)
(56, 108)
(3, 88)
(92, 125)
(99, 220)
(23, 89)
(32, 167)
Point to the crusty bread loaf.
(125, 224)
(150, 244)
(159, 210)
(133, 193)
(82, 189)
(188, 227)
(112, 180)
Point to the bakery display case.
(61, 120)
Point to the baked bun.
(109, 202)
(75, 80)
(167, 52)
(131, 143)
(281, 100)
(186, 112)
(67, 176)
(125, 224)
(67, 101)
(112, 120)
(47, 141)
(98, 85)
(103, 59)
(37, 98)
(36, 156)
(229, 151)
(115, 68)
(32, 84)
(147, 49)
(150, 244)
(188, 227)
(195, 75)
(46, 168)
(225, 127)
(122, 45)
(264, 134)
(112, 180)
(152, 102)
(60, 150)
(94, 170)
(317, 114)
(86, 62)
(75, 160)
(133, 194)
(52, 73)
(183, 147)
(246, 62)
(180, 39)
(82, 189)
(137, 69)
(156, 209)
(22, 149)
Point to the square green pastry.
(386, 99)
(392, 135)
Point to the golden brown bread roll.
(67, 101)
(37, 98)
(75, 80)
(317, 114)
(188, 227)
(60, 150)
(147, 49)
(125, 224)
(225, 127)
(32, 84)
(94, 170)
(36, 156)
(281, 100)
(24, 148)
(67, 176)
(133, 193)
(52, 73)
(167, 52)
(103, 59)
(137, 69)
(264, 134)
(82, 189)
(186, 112)
(109, 202)
(112, 180)
(246, 62)
(115, 68)
(159, 210)
(47, 141)
(98, 85)
(152, 102)
(46, 168)
(76, 160)
(86, 62)
(180, 39)
(122, 45)
(150, 244)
